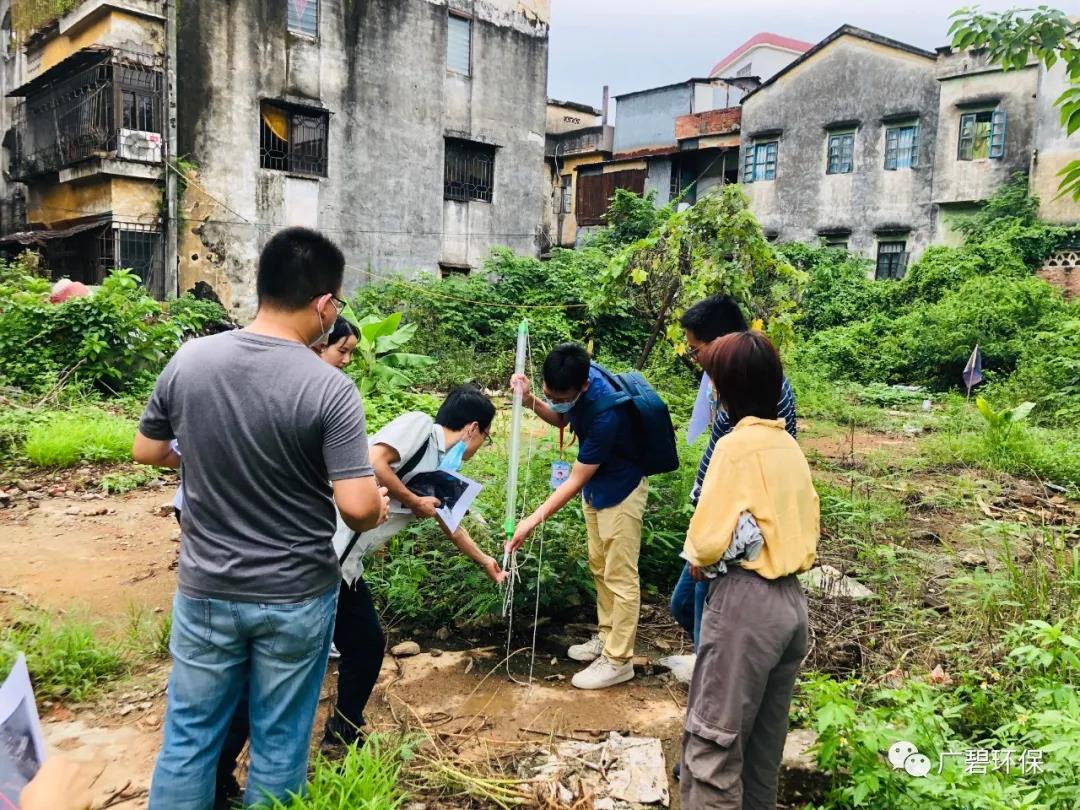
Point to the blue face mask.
(564, 407)
(452, 460)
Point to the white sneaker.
(589, 651)
(602, 673)
(335, 653)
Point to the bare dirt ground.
(109, 557)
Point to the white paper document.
(702, 415)
(455, 493)
(22, 748)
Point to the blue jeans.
(219, 647)
(688, 602)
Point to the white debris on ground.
(681, 666)
(829, 580)
(620, 773)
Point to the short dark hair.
(343, 327)
(297, 265)
(746, 370)
(463, 405)
(714, 317)
(567, 367)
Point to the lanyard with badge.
(560, 468)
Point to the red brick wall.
(1063, 270)
(713, 122)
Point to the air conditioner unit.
(135, 144)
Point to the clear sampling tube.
(515, 441)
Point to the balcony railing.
(70, 116)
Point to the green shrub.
(115, 339)
(1025, 705)
(66, 438)
(840, 289)
(1048, 371)
(65, 657)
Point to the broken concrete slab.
(831, 582)
(620, 773)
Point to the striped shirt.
(785, 409)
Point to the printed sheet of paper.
(22, 748)
(701, 417)
(455, 492)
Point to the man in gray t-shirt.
(272, 439)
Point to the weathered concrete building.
(879, 146)
(83, 139)
(411, 131)
(849, 160)
(578, 136)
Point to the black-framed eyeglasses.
(487, 437)
(339, 303)
(693, 351)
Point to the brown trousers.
(753, 639)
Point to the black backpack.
(652, 421)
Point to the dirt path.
(105, 556)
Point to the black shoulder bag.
(401, 472)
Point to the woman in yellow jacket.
(755, 527)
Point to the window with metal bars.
(982, 135)
(470, 171)
(459, 44)
(891, 260)
(841, 153)
(759, 162)
(304, 17)
(293, 140)
(566, 196)
(902, 147)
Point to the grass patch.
(1031, 452)
(65, 656)
(69, 437)
(118, 483)
(367, 779)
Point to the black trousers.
(359, 637)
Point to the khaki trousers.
(753, 639)
(614, 548)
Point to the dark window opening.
(566, 194)
(891, 260)
(292, 140)
(841, 153)
(448, 269)
(470, 171)
(90, 255)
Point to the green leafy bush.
(378, 364)
(1026, 705)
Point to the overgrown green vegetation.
(66, 656)
(367, 778)
(962, 522)
(66, 438)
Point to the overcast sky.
(637, 44)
